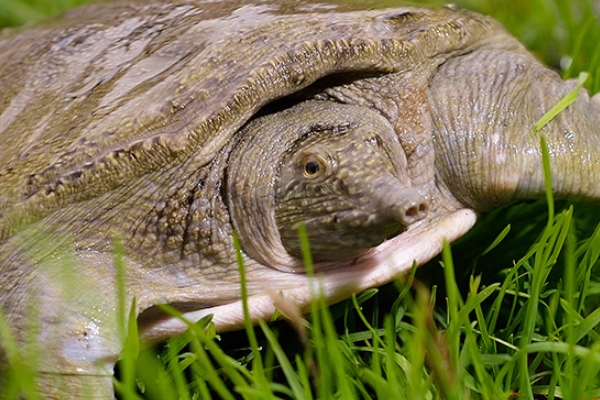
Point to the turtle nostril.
(415, 213)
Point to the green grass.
(509, 311)
(18, 12)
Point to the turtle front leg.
(484, 105)
(64, 323)
(78, 364)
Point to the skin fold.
(167, 127)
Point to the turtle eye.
(313, 166)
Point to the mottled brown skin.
(130, 121)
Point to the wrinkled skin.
(131, 121)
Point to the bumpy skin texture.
(127, 121)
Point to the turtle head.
(338, 169)
(342, 183)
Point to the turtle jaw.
(383, 211)
(346, 234)
(332, 243)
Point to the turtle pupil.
(311, 168)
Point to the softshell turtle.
(169, 126)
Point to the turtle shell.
(91, 102)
